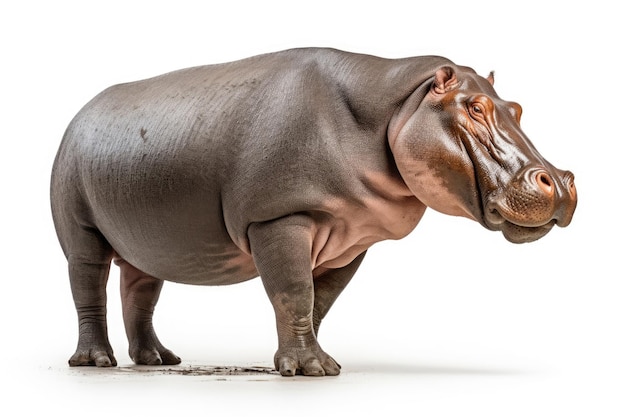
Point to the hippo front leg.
(328, 285)
(282, 253)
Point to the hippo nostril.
(545, 183)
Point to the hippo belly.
(200, 258)
(194, 246)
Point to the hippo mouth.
(521, 234)
(516, 233)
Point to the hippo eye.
(477, 110)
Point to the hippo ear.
(491, 78)
(445, 80)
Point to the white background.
(452, 320)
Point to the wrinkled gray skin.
(288, 166)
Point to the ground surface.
(433, 389)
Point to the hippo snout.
(535, 199)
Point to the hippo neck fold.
(375, 88)
(403, 113)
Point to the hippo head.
(460, 150)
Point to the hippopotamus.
(287, 166)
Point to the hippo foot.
(308, 362)
(153, 356)
(101, 357)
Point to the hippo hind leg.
(140, 293)
(89, 271)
